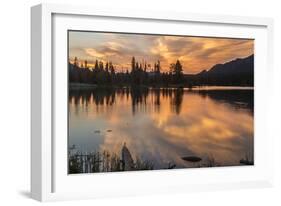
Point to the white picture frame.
(49, 179)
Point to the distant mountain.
(238, 72)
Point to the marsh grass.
(102, 162)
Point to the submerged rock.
(246, 162)
(192, 159)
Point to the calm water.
(164, 125)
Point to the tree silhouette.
(103, 73)
(177, 72)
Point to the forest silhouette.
(239, 72)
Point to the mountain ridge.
(239, 71)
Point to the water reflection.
(164, 125)
(140, 98)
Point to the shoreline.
(203, 87)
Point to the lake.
(164, 125)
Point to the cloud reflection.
(155, 130)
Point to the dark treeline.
(239, 72)
(104, 74)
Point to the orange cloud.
(195, 53)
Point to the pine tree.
(75, 62)
(145, 67)
(158, 67)
(177, 72)
(97, 65)
(86, 64)
(107, 67)
(133, 64)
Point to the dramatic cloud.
(195, 53)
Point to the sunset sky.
(195, 53)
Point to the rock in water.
(128, 162)
(192, 159)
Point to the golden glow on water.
(164, 125)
